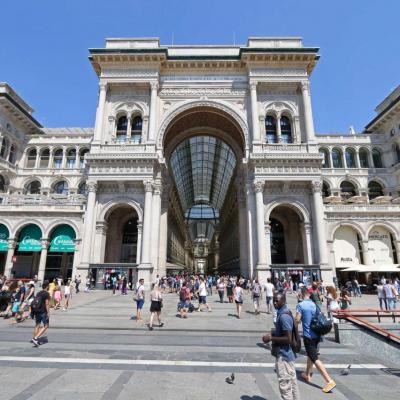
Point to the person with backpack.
(40, 308)
(256, 294)
(306, 311)
(184, 300)
(285, 343)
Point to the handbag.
(320, 324)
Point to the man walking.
(41, 309)
(305, 312)
(281, 339)
(269, 293)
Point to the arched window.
(33, 187)
(374, 190)
(44, 158)
(82, 188)
(347, 190)
(61, 187)
(82, 154)
(376, 156)
(31, 161)
(2, 184)
(270, 129)
(4, 147)
(286, 130)
(122, 128)
(397, 150)
(136, 129)
(326, 190)
(71, 158)
(11, 157)
(58, 158)
(337, 158)
(325, 153)
(350, 158)
(364, 158)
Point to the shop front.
(101, 275)
(296, 273)
(4, 234)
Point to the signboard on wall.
(3, 238)
(380, 246)
(345, 245)
(30, 239)
(63, 240)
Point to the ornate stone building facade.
(202, 158)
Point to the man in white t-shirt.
(269, 293)
(203, 295)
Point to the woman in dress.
(332, 300)
(67, 294)
(155, 306)
(345, 299)
(57, 297)
(238, 294)
(229, 290)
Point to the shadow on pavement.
(245, 397)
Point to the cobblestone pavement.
(96, 350)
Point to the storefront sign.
(380, 246)
(3, 238)
(346, 247)
(30, 239)
(63, 240)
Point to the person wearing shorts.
(140, 300)
(203, 295)
(305, 311)
(238, 294)
(41, 315)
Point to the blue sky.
(43, 47)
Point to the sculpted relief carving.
(198, 92)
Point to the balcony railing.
(13, 200)
(287, 148)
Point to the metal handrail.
(355, 319)
(386, 313)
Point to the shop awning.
(30, 239)
(372, 268)
(4, 234)
(380, 268)
(63, 240)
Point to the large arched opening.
(204, 148)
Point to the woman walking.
(67, 294)
(238, 294)
(221, 290)
(229, 290)
(345, 299)
(332, 300)
(57, 297)
(155, 306)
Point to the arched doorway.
(121, 248)
(27, 252)
(4, 235)
(204, 147)
(278, 249)
(60, 255)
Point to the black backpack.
(296, 340)
(37, 303)
(320, 324)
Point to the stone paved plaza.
(96, 350)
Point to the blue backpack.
(320, 324)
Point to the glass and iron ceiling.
(203, 167)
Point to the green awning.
(63, 240)
(30, 239)
(4, 234)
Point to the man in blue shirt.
(304, 312)
(281, 339)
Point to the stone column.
(251, 228)
(358, 158)
(262, 268)
(278, 130)
(100, 242)
(267, 227)
(89, 222)
(77, 159)
(139, 242)
(307, 243)
(344, 159)
(51, 157)
(319, 230)
(37, 157)
(144, 269)
(64, 158)
(366, 254)
(308, 118)
(153, 109)
(243, 232)
(397, 245)
(163, 235)
(43, 259)
(10, 254)
(155, 230)
(100, 112)
(254, 113)
(330, 159)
